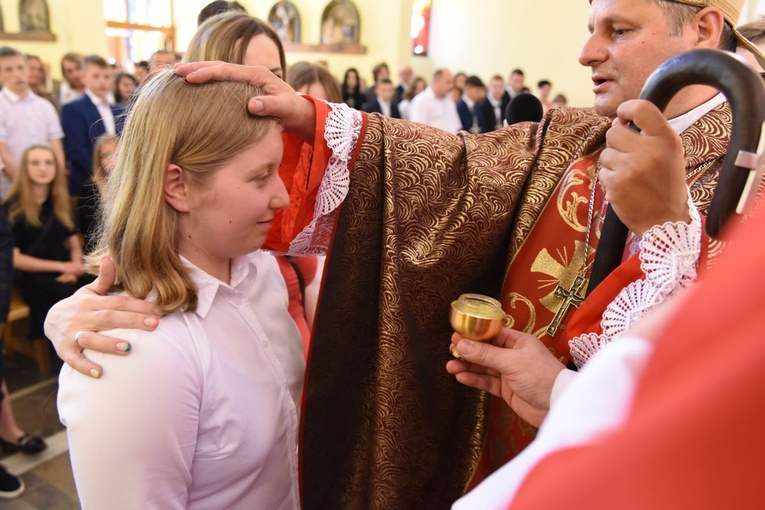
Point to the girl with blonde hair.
(204, 413)
(48, 254)
(89, 203)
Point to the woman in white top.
(204, 412)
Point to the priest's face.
(629, 39)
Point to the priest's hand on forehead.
(279, 100)
(644, 173)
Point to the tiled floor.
(47, 476)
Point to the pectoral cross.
(570, 298)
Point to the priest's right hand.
(513, 366)
(73, 324)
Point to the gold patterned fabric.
(429, 216)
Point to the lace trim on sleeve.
(669, 256)
(341, 133)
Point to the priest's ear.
(708, 29)
(176, 188)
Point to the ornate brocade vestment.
(430, 216)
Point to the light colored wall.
(542, 37)
(78, 25)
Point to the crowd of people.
(452, 102)
(216, 278)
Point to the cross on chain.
(570, 298)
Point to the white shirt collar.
(95, 99)
(468, 102)
(13, 97)
(208, 286)
(686, 120)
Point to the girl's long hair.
(23, 203)
(197, 127)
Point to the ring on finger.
(77, 337)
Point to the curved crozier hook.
(744, 90)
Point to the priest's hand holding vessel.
(476, 317)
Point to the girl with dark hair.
(351, 89)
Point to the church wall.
(542, 37)
(79, 25)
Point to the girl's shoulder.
(176, 331)
(173, 346)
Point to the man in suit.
(514, 87)
(87, 118)
(379, 72)
(493, 108)
(383, 101)
(471, 115)
(406, 80)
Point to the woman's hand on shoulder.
(73, 324)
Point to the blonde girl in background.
(48, 253)
(89, 203)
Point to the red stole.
(552, 257)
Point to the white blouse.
(203, 412)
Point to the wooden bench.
(15, 336)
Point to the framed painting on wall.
(340, 23)
(34, 16)
(34, 23)
(285, 19)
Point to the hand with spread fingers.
(644, 173)
(297, 114)
(73, 324)
(514, 366)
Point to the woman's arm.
(22, 262)
(76, 268)
(75, 249)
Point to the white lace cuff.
(341, 133)
(669, 256)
